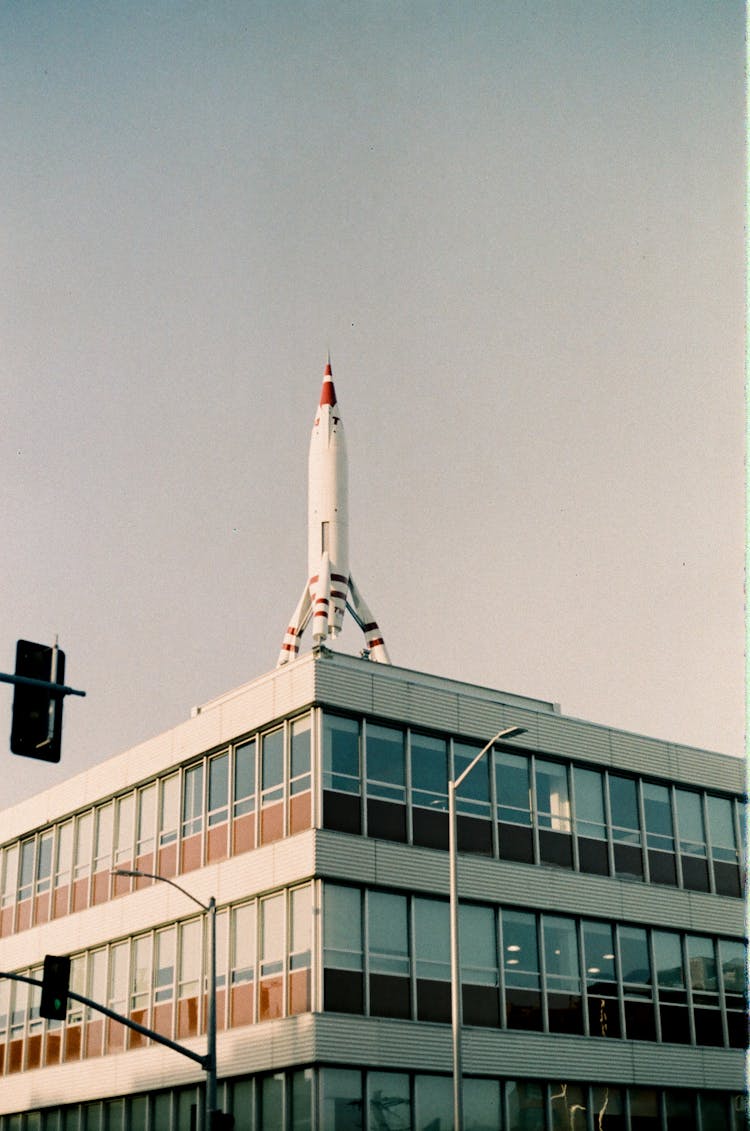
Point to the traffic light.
(36, 729)
(55, 981)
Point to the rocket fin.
(322, 599)
(297, 625)
(373, 636)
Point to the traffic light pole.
(201, 1060)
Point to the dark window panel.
(727, 878)
(738, 1031)
(389, 996)
(564, 1013)
(675, 1024)
(604, 1016)
(555, 848)
(639, 1021)
(708, 1029)
(481, 1005)
(341, 811)
(430, 828)
(474, 835)
(694, 873)
(662, 867)
(523, 1009)
(593, 856)
(516, 843)
(628, 861)
(434, 1000)
(386, 820)
(343, 991)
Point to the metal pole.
(456, 1010)
(211, 1068)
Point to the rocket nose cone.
(328, 392)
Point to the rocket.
(330, 589)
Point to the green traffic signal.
(55, 982)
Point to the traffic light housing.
(55, 983)
(36, 730)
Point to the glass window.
(26, 878)
(721, 825)
(166, 942)
(140, 974)
(386, 771)
(608, 1106)
(300, 928)
(634, 956)
(243, 942)
(690, 821)
(301, 732)
(244, 778)
(680, 1111)
(733, 966)
(272, 765)
(272, 1102)
(341, 754)
(473, 795)
(561, 953)
(341, 1099)
(433, 1103)
(525, 1106)
(191, 953)
(118, 977)
(520, 948)
(97, 987)
(478, 936)
(192, 800)
(429, 771)
(552, 799)
(84, 838)
(568, 1103)
(644, 1109)
(432, 939)
(668, 958)
(10, 875)
(388, 1099)
(623, 801)
(222, 945)
(272, 935)
(124, 842)
(64, 861)
(513, 787)
(601, 979)
(388, 933)
(146, 820)
(482, 1105)
(342, 927)
(218, 789)
(714, 1115)
(169, 809)
(301, 1100)
(590, 819)
(44, 862)
(702, 963)
(105, 819)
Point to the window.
(300, 809)
(705, 990)
(562, 975)
(526, 1104)
(243, 830)
(146, 831)
(659, 834)
(429, 790)
(388, 1099)
(97, 991)
(164, 972)
(272, 950)
(671, 987)
(124, 837)
(272, 786)
(243, 944)
(733, 967)
(513, 783)
(388, 941)
(341, 1099)
(43, 877)
(9, 889)
(169, 816)
(386, 782)
(623, 800)
(342, 950)
(723, 845)
(432, 959)
(479, 966)
(553, 813)
(433, 1103)
(25, 884)
(692, 840)
(140, 985)
(591, 825)
(300, 959)
(523, 1004)
(217, 847)
(601, 979)
(637, 984)
(192, 801)
(341, 774)
(118, 995)
(474, 827)
(188, 984)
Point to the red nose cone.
(328, 393)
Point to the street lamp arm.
(163, 879)
(506, 732)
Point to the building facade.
(601, 918)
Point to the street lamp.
(210, 910)
(456, 1004)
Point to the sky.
(517, 227)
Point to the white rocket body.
(330, 588)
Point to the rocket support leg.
(362, 615)
(297, 626)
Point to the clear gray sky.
(518, 226)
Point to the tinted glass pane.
(732, 956)
(244, 770)
(561, 952)
(218, 781)
(476, 787)
(520, 949)
(636, 965)
(341, 753)
(702, 963)
(300, 747)
(552, 799)
(429, 770)
(680, 1111)
(478, 939)
(388, 933)
(599, 953)
(388, 1099)
(658, 813)
(192, 794)
(272, 759)
(385, 754)
(568, 1103)
(668, 957)
(432, 939)
(525, 1106)
(721, 827)
(623, 802)
(482, 1105)
(690, 821)
(714, 1114)
(433, 1103)
(341, 1099)
(589, 799)
(513, 784)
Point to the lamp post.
(456, 1003)
(208, 909)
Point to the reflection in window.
(568, 1104)
(637, 984)
(562, 973)
(692, 840)
(601, 979)
(341, 775)
(165, 962)
(386, 782)
(670, 981)
(169, 809)
(192, 801)
(218, 789)
(388, 938)
(433, 1103)
(388, 1100)
(341, 1099)
(472, 800)
(429, 785)
(553, 813)
(342, 949)
(244, 779)
(526, 1106)
(723, 845)
(521, 970)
